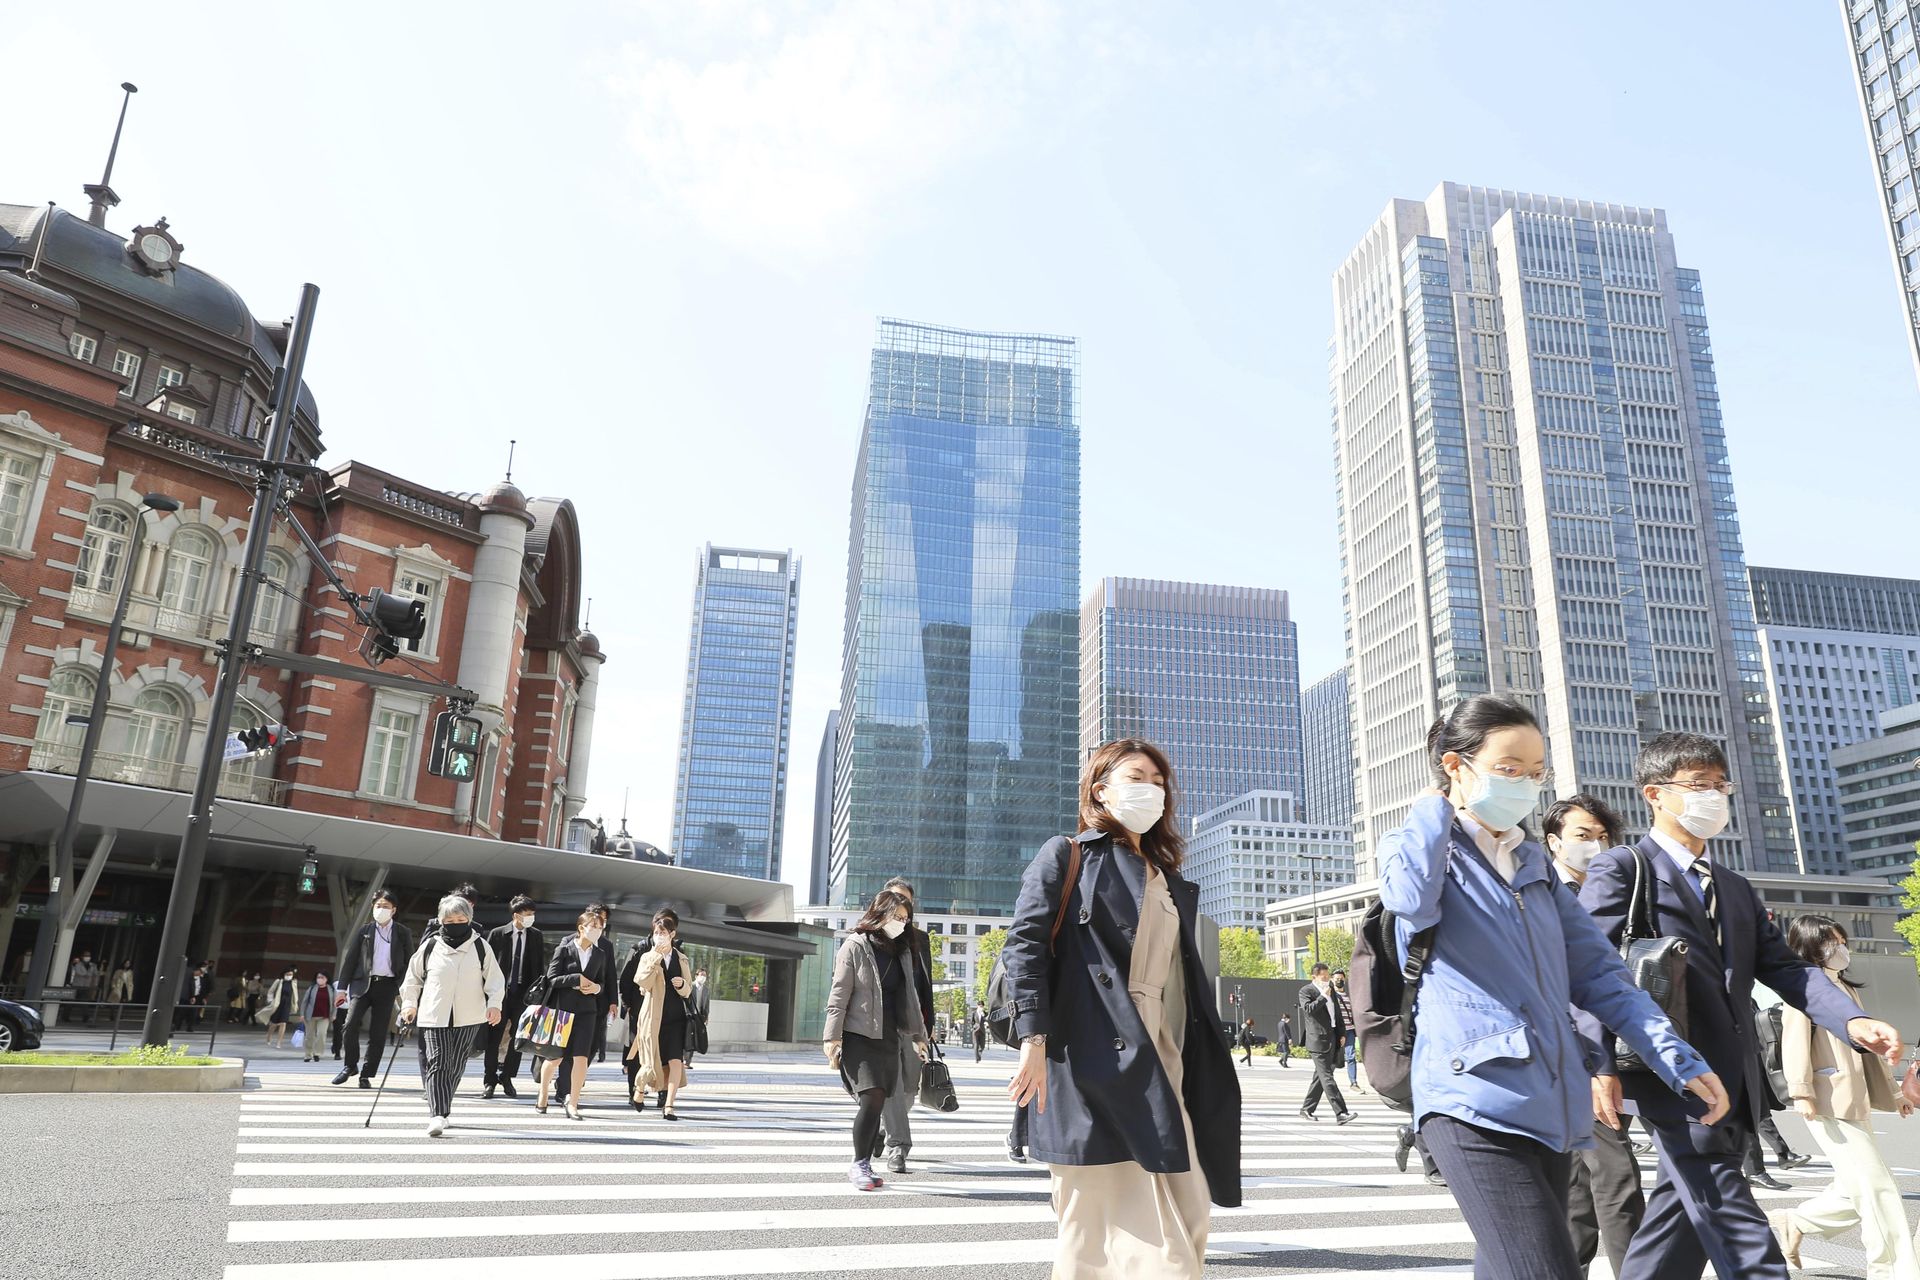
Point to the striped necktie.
(1702, 873)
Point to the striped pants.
(443, 1060)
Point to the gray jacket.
(854, 1003)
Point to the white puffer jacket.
(452, 986)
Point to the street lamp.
(62, 869)
(1313, 861)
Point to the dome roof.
(504, 497)
(590, 646)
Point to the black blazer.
(532, 960)
(564, 972)
(1719, 984)
(1321, 1020)
(358, 968)
(922, 973)
(1108, 1098)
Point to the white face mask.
(1705, 815)
(591, 933)
(1136, 805)
(663, 940)
(1838, 956)
(894, 928)
(382, 915)
(523, 922)
(1578, 854)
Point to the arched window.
(190, 561)
(158, 731)
(273, 611)
(103, 555)
(69, 693)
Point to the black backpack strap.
(1419, 952)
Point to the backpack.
(1382, 989)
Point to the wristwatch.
(1038, 1038)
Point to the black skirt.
(866, 1063)
(673, 1039)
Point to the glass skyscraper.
(1535, 500)
(1210, 674)
(730, 801)
(1327, 735)
(1886, 70)
(955, 750)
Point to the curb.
(225, 1075)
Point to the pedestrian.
(870, 1008)
(370, 978)
(120, 988)
(1605, 1201)
(283, 1006)
(977, 1029)
(1836, 1089)
(1320, 1018)
(1498, 1077)
(256, 992)
(521, 952)
(1139, 1133)
(596, 1029)
(1245, 1041)
(194, 992)
(1283, 1040)
(575, 976)
(1770, 1094)
(1701, 1208)
(699, 1004)
(658, 1048)
(1346, 1029)
(84, 977)
(236, 999)
(316, 1012)
(896, 1125)
(452, 988)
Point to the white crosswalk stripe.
(752, 1182)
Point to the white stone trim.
(52, 623)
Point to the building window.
(183, 412)
(82, 347)
(183, 588)
(18, 476)
(390, 746)
(169, 377)
(427, 588)
(274, 604)
(69, 693)
(156, 733)
(127, 365)
(103, 555)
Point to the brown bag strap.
(1066, 890)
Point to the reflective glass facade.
(1886, 70)
(956, 753)
(730, 801)
(1327, 735)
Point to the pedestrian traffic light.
(394, 618)
(309, 876)
(456, 747)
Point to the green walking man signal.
(309, 875)
(456, 747)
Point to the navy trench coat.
(1108, 1098)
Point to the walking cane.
(397, 1042)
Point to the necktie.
(1702, 874)
(519, 935)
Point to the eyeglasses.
(1699, 788)
(1515, 772)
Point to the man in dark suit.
(376, 962)
(521, 952)
(193, 998)
(895, 1131)
(1324, 1026)
(1701, 1209)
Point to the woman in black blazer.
(575, 975)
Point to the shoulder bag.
(1657, 965)
(1000, 1017)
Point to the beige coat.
(452, 986)
(1857, 1085)
(651, 1073)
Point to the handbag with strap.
(543, 1031)
(936, 1082)
(1655, 964)
(1000, 1016)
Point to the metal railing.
(235, 783)
(124, 1018)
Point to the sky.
(649, 241)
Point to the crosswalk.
(751, 1182)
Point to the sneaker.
(436, 1126)
(1014, 1153)
(506, 1087)
(861, 1176)
(344, 1076)
(1437, 1179)
(1307, 1115)
(897, 1162)
(1346, 1117)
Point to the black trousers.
(1702, 1210)
(512, 1005)
(1604, 1200)
(1769, 1132)
(1513, 1193)
(1324, 1083)
(372, 1013)
(1017, 1135)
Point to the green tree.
(1336, 948)
(1909, 925)
(1244, 955)
(986, 952)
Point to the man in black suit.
(521, 952)
(1701, 1209)
(1324, 1024)
(376, 962)
(895, 1130)
(193, 998)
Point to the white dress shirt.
(1682, 856)
(383, 950)
(1498, 849)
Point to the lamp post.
(62, 869)
(1313, 861)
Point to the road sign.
(235, 749)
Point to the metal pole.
(62, 869)
(170, 966)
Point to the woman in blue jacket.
(1500, 1080)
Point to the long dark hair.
(1465, 729)
(1810, 935)
(881, 910)
(1161, 845)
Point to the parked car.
(20, 1027)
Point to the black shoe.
(1345, 1117)
(1641, 1148)
(366, 1082)
(506, 1087)
(1767, 1180)
(486, 1094)
(1014, 1153)
(1436, 1179)
(1405, 1136)
(1307, 1115)
(660, 1099)
(343, 1077)
(1794, 1161)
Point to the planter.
(224, 1075)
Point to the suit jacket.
(533, 959)
(564, 972)
(1719, 981)
(1322, 1022)
(357, 970)
(922, 951)
(1840, 1081)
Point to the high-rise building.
(1535, 500)
(1880, 796)
(822, 866)
(1842, 650)
(1327, 738)
(1257, 849)
(1210, 674)
(1886, 70)
(730, 801)
(956, 752)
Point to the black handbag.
(1655, 964)
(1000, 1011)
(936, 1082)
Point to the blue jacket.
(1495, 1043)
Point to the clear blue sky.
(650, 241)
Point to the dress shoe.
(342, 1077)
(1307, 1115)
(486, 1094)
(1404, 1147)
(1436, 1179)
(1767, 1180)
(1014, 1153)
(1793, 1160)
(1641, 1148)
(1346, 1117)
(366, 1082)
(506, 1087)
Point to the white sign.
(236, 749)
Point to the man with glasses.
(1701, 1209)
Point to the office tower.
(1260, 848)
(731, 797)
(1210, 674)
(956, 753)
(1327, 738)
(823, 812)
(1535, 500)
(1842, 650)
(1880, 796)
(1886, 71)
